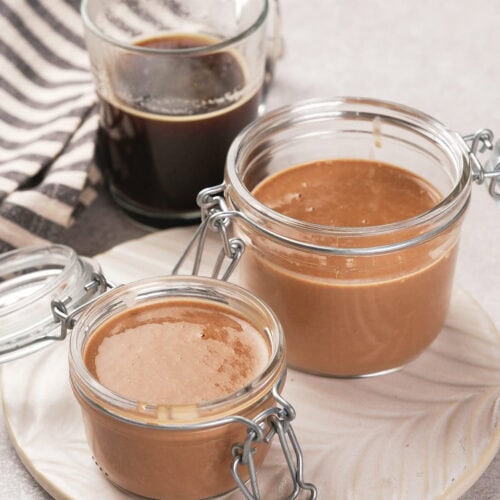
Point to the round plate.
(427, 431)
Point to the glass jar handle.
(480, 141)
(274, 45)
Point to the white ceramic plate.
(427, 431)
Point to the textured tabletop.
(439, 57)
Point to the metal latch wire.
(216, 217)
(67, 318)
(276, 420)
(481, 141)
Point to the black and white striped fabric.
(48, 121)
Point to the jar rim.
(194, 415)
(338, 108)
(189, 51)
(24, 259)
(35, 279)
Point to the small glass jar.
(353, 301)
(186, 451)
(174, 451)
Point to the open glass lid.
(40, 287)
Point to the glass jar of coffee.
(349, 212)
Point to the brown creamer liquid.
(352, 315)
(176, 352)
(347, 193)
(173, 352)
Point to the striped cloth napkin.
(48, 121)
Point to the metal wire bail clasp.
(215, 216)
(490, 173)
(276, 420)
(99, 284)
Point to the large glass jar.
(353, 301)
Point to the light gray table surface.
(439, 57)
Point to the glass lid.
(32, 279)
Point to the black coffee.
(159, 151)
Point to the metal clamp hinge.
(481, 141)
(97, 284)
(277, 421)
(216, 217)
